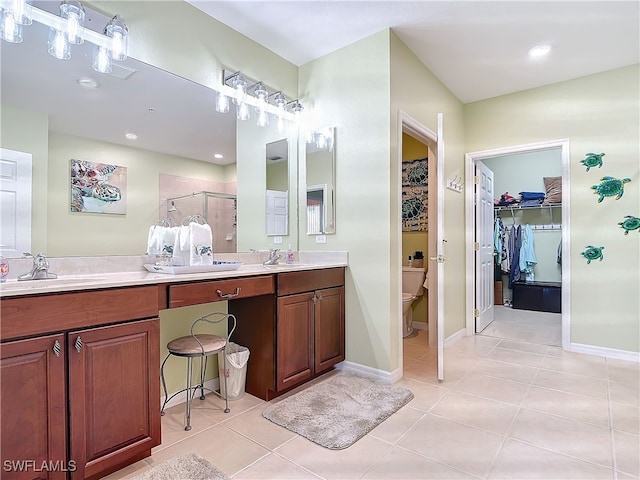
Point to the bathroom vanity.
(80, 357)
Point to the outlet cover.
(321, 239)
(277, 239)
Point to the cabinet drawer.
(309, 280)
(220, 290)
(33, 315)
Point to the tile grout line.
(614, 462)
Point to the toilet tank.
(412, 280)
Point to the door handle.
(439, 259)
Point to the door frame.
(411, 126)
(470, 160)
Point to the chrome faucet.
(273, 258)
(40, 269)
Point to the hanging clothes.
(505, 235)
(514, 273)
(497, 240)
(527, 254)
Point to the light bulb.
(242, 112)
(263, 118)
(21, 10)
(58, 46)
(10, 30)
(222, 103)
(101, 60)
(117, 30)
(240, 84)
(73, 12)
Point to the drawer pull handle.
(228, 295)
(78, 344)
(57, 349)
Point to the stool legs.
(224, 374)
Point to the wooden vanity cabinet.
(310, 325)
(84, 401)
(33, 407)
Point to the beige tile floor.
(525, 326)
(506, 410)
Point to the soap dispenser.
(289, 259)
(4, 269)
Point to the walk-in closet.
(527, 246)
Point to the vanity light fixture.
(66, 29)
(246, 92)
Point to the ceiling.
(478, 49)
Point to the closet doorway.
(524, 307)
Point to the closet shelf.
(511, 208)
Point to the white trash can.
(237, 359)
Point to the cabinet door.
(114, 395)
(329, 328)
(33, 409)
(294, 340)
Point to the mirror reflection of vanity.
(61, 110)
(320, 181)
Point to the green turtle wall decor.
(609, 187)
(630, 223)
(592, 160)
(593, 253)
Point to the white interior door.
(15, 203)
(277, 212)
(440, 257)
(484, 247)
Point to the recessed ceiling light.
(87, 83)
(540, 50)
(218, 155)
(131, 136)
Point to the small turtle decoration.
(592, 160)
(630, 223)
(610, 186)
(593, 253)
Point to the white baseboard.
(456, 337)
(213, 384)
(420, 325)
(387, 377)
(605, 352)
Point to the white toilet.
(412, 288)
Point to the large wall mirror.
(62, 110)
(320, 181)
(277, 194)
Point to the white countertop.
(109, 279)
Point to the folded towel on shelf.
(201, 244)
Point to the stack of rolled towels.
(193, 245)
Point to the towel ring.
(193, 219)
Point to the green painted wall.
(597, 113)
(416, 91)
(350, 89)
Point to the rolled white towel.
(201, 244)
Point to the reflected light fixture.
(65, 30)
(72, 12)
(222, 103)
(261, 95)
